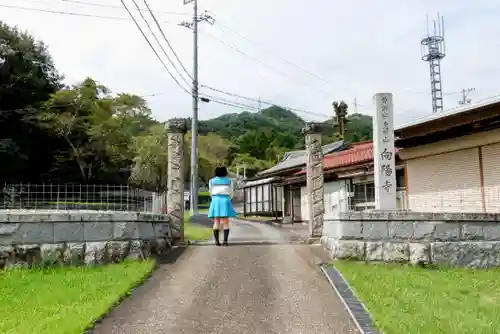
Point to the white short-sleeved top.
(220, 186)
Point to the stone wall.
(30, 238)
(449, 239)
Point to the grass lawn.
(195, 232)
(64, 300)
(405, 299)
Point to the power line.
(126, 19)
(152, 48)
(235, 32)
(166, 39)
(428, 93)
(60, 12)
(262, 101)
(67, 13)
(93, 4)
(71, 104)
(157, 41)
(118, 7)
(235, 48)
(165, 66)
(226, 27)
(231, 103)
(156, 53)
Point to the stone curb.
(268, 222)
(96, 322)
(251, 243)
(356, 309)
(92, 326)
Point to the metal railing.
(80, 197)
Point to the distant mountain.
(359, 127)
(259, 140)
(280, 120)
(231, 126)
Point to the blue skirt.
(221, 206)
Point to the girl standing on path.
(221, 206)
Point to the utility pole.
(465, 96)
(355, 105)
(194, 120)
(260, 104)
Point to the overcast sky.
(297, 53)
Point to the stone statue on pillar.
(340, 120)
(314, 172)
(176, 128)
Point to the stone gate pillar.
(175, 172)
(314, 169)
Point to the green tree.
(213, 151)
(151, 159)
(96, 127)
(27, 78)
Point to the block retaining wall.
(30, 238)
(446, 239)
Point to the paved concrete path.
(243, 288)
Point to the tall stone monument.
(384, 153)
(175, 193)
(314, 170)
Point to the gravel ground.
(237, 289)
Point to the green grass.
(194, 232)
(64, 300)
(404, 299)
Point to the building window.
(400, 179)
(362, 196)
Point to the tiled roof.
(357, 154)
(299, 158)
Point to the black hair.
(220, 171)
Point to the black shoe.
(226, 236)
(216, 237)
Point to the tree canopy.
(84, 133)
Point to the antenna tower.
(433, 51)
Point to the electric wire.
(93, 4)
(235, 48)
(227, 28)
(223, 26)
(160, 44)
(173, 13)
(152, 48)
(86, 3)
(60, 12)
(262, 101)
(166, 40)
(212, 98)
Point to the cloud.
(356, 48)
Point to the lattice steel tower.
(433, 51)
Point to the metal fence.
(81, 197)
